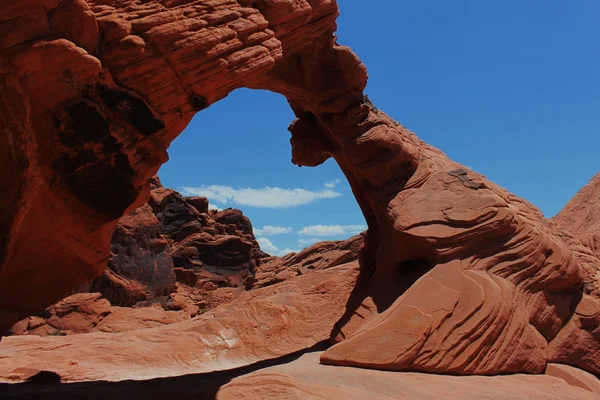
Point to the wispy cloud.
(331, 230)
(287, 251)
(267, 197)
(308, 242)
(268, 246)
(333, 184)
(269, 230)
(213, 207)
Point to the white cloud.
(213, 207)
(286, 251)
(308, 242)
(267, 197)
(331, 230)
(267, 246)
(269, 230)
(333, 184)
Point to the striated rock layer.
(176, 239)
(582, 216)
(141, 272)
(261, 324)
(321, 255)
(457, 275)
(579, 225)
(304, 379)
(89, 312)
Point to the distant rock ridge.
(581, 216)
(172, 259)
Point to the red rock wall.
(93, 94)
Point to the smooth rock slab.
(305, 379)
(259, 325)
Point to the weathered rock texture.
(170, 240)
(261, 324)
(579, 225)
(582, 215)
(141, 273)
(140, 266)
(458, 275)
(304, 379)
(89, 312)
(321, 255)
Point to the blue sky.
(510, 89)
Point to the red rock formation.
(89, 312)
(259, 325)
(170, 240)
(579, 226)
(458, 275)
(319, 256)
(581, 216)
(305, 379)
(212, 251)
(140, 266)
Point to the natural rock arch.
(94, 91)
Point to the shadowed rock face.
(579, 223)
(457, 275)
(582, 216)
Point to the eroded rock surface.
(582, 215)
(321, 255)
(579, 225)
(457, 274)
(259, 325)
(140, 266)
(89, 312)
(306, 379)
(159, 263)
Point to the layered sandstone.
(306, 379)
(261, 324)
(321, 255)
(581, 216)
(457, 275)
(142, 289)
(172, 254)
(89, 312)
(579, 226)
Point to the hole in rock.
(237, 153)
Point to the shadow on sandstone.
(47, 384)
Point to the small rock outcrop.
(140, 266)
(321, 255)
(89, 312)
(581, 216)
(169, 241)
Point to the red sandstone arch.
(94, 91)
